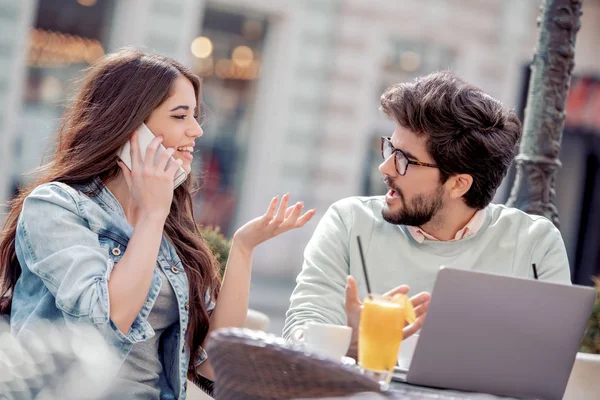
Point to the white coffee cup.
(327, 340)
(407, 349)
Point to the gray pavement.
(271, 295)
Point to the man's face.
(416, 197)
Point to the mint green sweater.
(508, 243)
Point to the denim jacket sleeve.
(58, 246)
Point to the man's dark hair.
(468, 132)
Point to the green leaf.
(218, 244)
(591, 338)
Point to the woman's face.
(175, 120)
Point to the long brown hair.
(117, 95)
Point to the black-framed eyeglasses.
(401, 162)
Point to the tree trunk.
(553, 62)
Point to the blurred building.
(291, 90)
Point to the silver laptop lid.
(500, 335)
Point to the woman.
(93, 242)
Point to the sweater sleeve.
(320, 287)
(554, 264)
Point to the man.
(451, 148)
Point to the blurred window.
(228, 56)
(405, 61)
(67, 36)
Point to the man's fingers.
(353, 307)
(421, 298)
(421, 309)
(351, 293)
(402, 289)
(413, 328)
(421, 304)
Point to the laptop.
(500, 335)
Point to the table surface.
(401, 390)
(412, 392)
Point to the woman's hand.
(273, 223)
(150, 181)
(232, 307)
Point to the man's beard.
(418, 212)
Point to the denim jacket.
(68, 241)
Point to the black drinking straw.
(362, 259)
(535, 275)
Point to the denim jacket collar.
(97, 190)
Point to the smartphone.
(145, 136)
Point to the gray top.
(142, 370)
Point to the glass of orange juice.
(380, 335)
